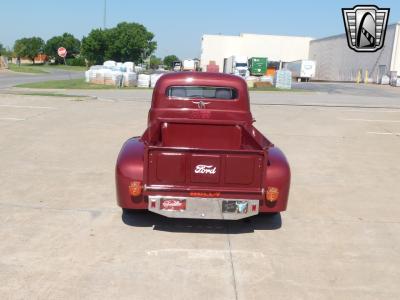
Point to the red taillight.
(272, 194)
(135, 188)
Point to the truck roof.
(161, 99)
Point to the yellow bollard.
(366, 76)
(359, 76)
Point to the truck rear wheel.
(133, 211)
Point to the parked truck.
(200, 156)
(177, 66)
(190, 65)
(302, 70)
(258, 66)
(236, 65)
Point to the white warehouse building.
(335, 61)
(274, 47)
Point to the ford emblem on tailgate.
(205, 169)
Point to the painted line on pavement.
(12, 119)
(26, 106)
(384, 133)
(361, 110)
(368, 120)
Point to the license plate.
(173, 204)
(240, 207)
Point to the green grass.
(65, 67)
(78, 84)
(50, 95)
(40, 68)
(34, 69)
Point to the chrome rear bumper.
(204, 208)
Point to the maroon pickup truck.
(200, 156)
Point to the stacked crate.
(143, 81)
(154, 78)
(108, 80)
(99, 77)
(283, 79)
(130, 79)
(212, 67)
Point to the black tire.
(133, 211)
(127, 211)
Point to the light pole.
(105, 14)
(144, 56)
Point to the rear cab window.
(201, 92)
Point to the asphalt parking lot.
(63, 237)
(9, 79)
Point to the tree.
(5, 52)
(94, 46)
(169, 60)
(130, 41)
(68, 41)
(29, 47)
(125, 42)
(155, 62)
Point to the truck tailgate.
(187, 170)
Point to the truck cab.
(177, 66)
(237, 65)
(201, 156)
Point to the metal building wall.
(275, 47)
(335, 61)
(395, 65)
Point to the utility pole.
(105, 14)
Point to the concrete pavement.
(64, 237)
(354, 89)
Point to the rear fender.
(129, 167)
(278, 176)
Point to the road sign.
(62, 52)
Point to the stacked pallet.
(212, 67)
(143, 81)
(154, 78)
(130, 79)
(283, 79)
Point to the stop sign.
(62, 52)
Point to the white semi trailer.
(302, 70)
(237, 65)
(190, 65)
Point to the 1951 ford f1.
(200, 156)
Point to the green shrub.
(77, 61)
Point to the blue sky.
(178, 25)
